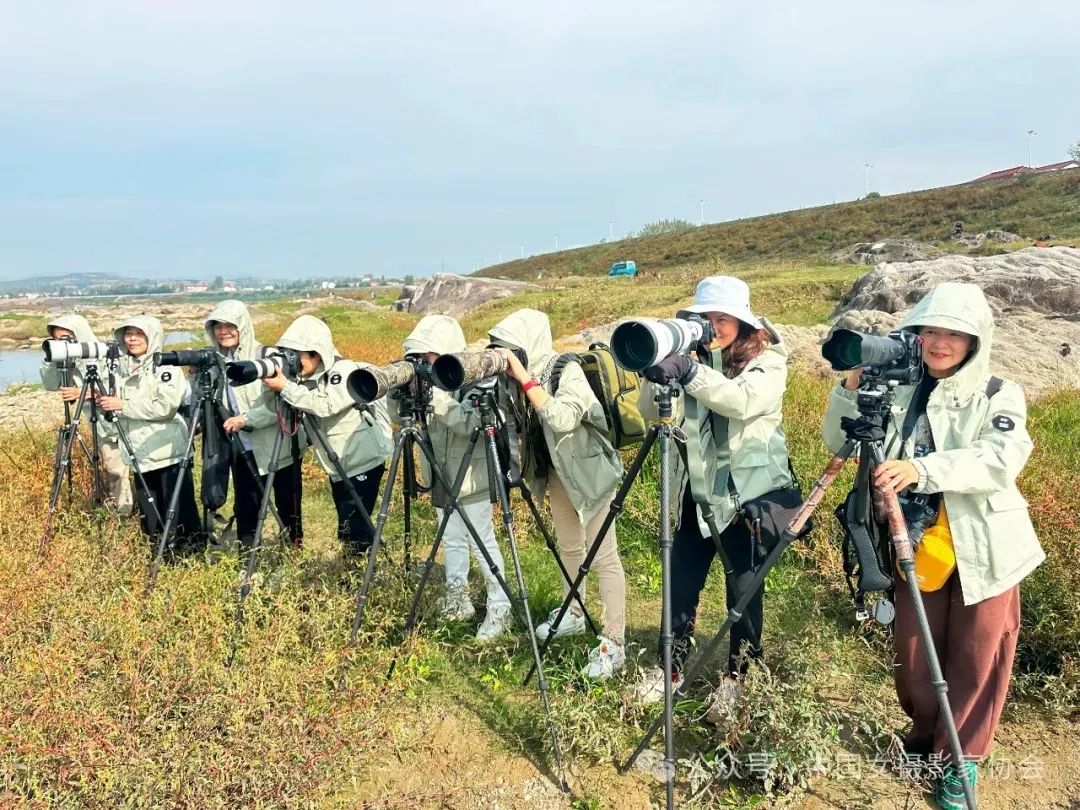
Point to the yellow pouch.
(935, 558)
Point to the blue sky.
(280, 139)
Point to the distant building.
(1016, 171)
(197, 288)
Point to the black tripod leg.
(380, 524)
(495, 474)
(314, 429)
(256, 544)
(408, 496)
(549, 541)
(174, 501)
(64, 461)
(238, 449)
(793, 530)
(613, 513)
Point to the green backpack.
(615, 388)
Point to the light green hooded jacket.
(752, 451)
(254, 401)
(980, 445)
(573, 422)
(52, 376)
(152, 398)
(362, 438)
(450, 422)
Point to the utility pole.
(610, 231)
(1031, 135)
(701, 217)
(869, 166)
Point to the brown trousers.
(975, 645)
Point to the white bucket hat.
(725, 294)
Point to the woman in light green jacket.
(580, 469)
(254, 417)
(962, 440)
(736, 450)
(147, 403)
(360, 437)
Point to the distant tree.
(873, 195)
(665, 226)
(218, 283)
(409, 279)
(1074, 151)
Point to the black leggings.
(288, 492)
(351, 527)
(691, 557)
(159, 485)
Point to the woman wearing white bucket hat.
(735, 451)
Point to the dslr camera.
(201, 358)
(897, 357)
(67, 350)
(365, 385)
(273, 359)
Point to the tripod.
(499, 480)
(867, 432)
(91, 385)
(62, 466)
(413, 417)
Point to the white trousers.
(457, 542)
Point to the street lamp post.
(701, 215)
(1031, 134)
(869, 166)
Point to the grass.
(108, 699)
(1032, 206)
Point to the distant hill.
(68, 281)
(1033, 206)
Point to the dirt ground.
(446, 759)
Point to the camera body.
(273, 359)
(65, 351)
(896, 357)
(201, 358)
(643, 342)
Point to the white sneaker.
(723, 700)
(650, 686)
(605, 659)
(496, 623)
(571, 625)
(456, 606)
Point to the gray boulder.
(887, 250)
(447, 294)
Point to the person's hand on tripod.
(69, 393)
(896, 475)
(234, 424)
(674, 368)
(110, 404)
(853, 378)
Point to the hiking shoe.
(650, 686)
(950, 788)
(605, 659)
(723, 700)
(496, 623)
(571, 625)
(456, 606)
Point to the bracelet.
(532, 383)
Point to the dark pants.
(351, 528)
(159, 485)
(975, 645)
(691, 557)
(288, 493)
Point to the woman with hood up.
(254, 419)
(147, 403)
(581, 470)
(359, 436)
(449, 426)
(73, 327)
(960, 437)
(731, 413)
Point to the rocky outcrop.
(447, 294)
(887, 250)
(977, 240)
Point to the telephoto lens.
(242, 372)
(453, 371)
(187, 357)
(61, 351)
(366, 385)
(847, 349)
(643, 342)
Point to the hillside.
(1033, 206)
